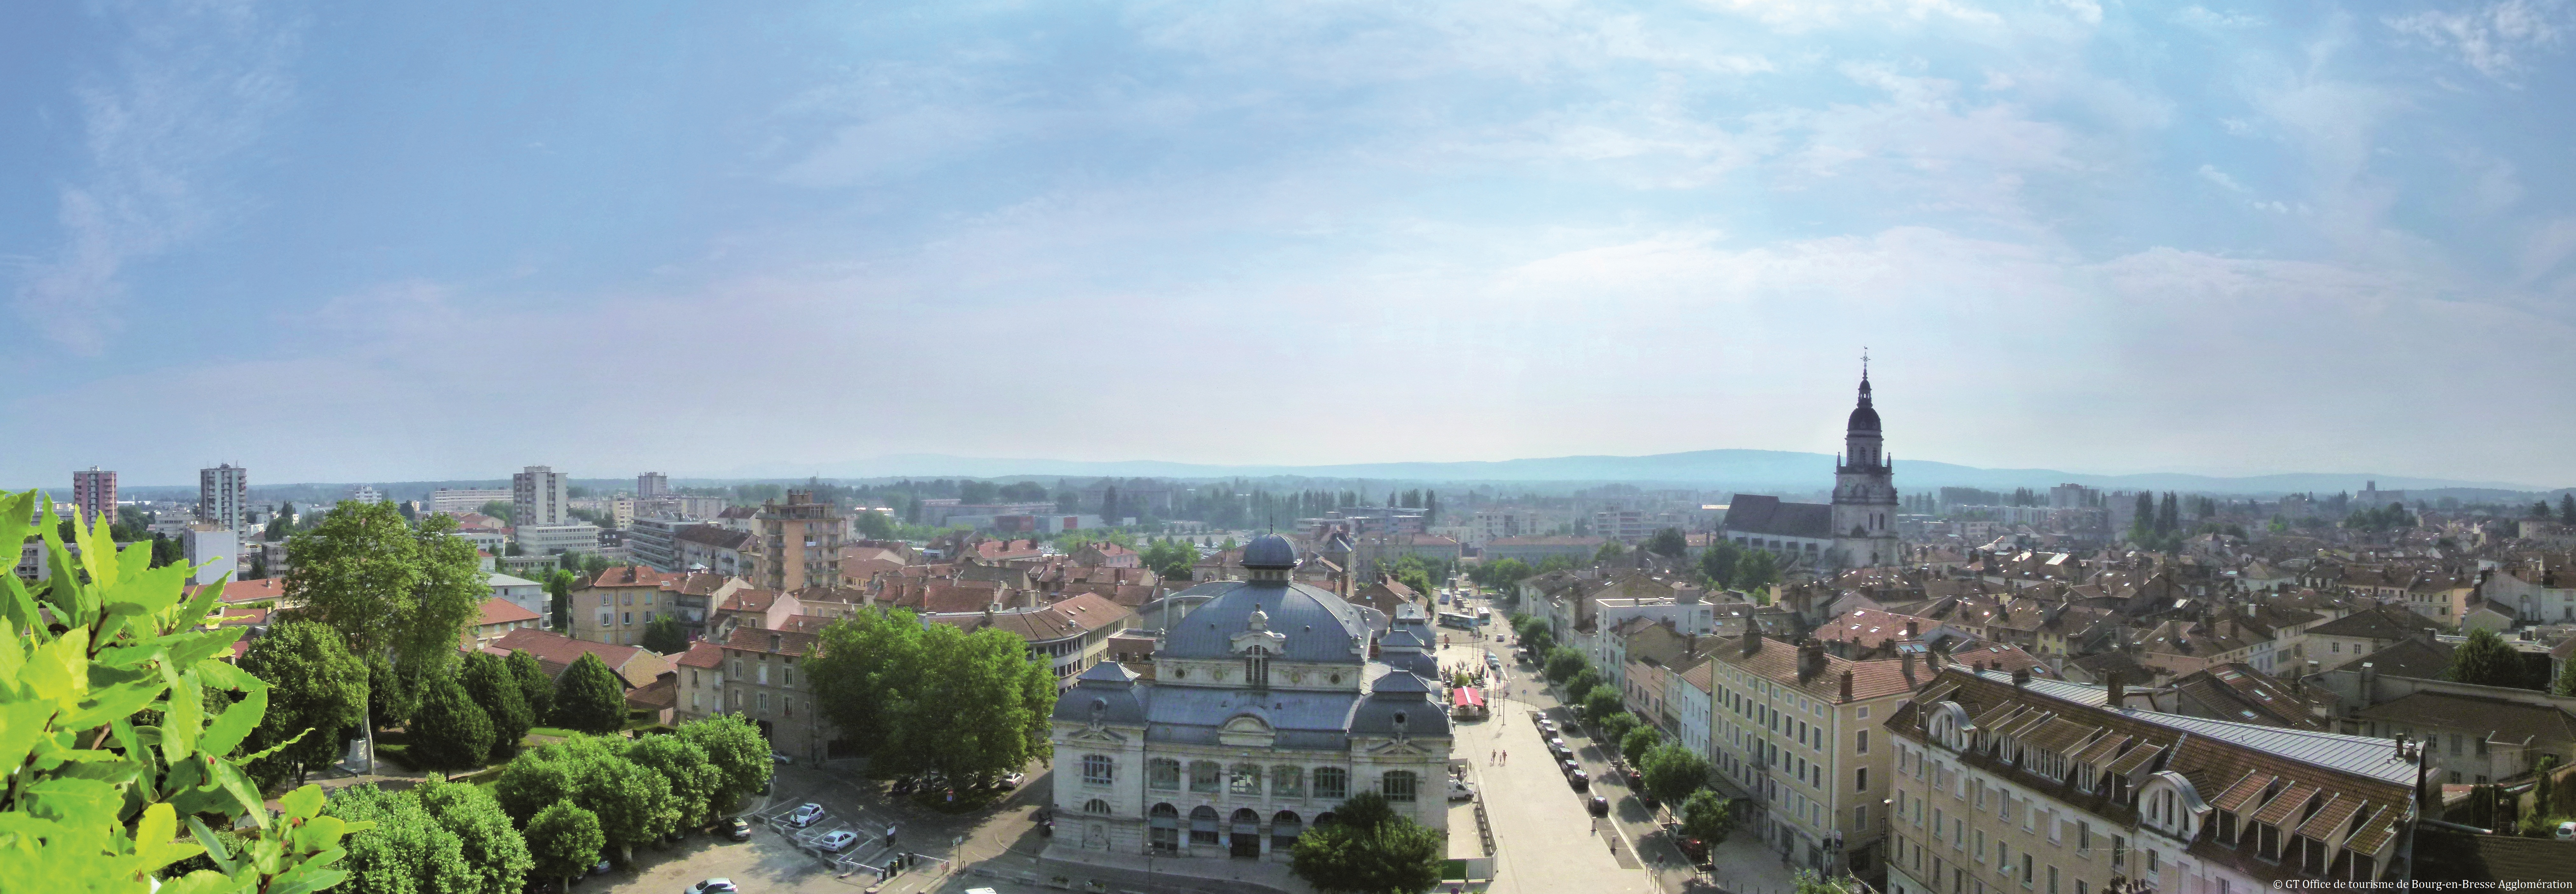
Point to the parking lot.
(783, 855)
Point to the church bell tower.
(1864, 491)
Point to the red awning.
(1467, 697)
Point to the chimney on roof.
(1847, 684)
(1811, 659)
(1913, 629)
(1752, 636)
(2021, 677)
(2115, 689)
(1907, 656)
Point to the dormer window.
(1256, 667)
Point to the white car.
(2567, 831)
(1014, 780)
(712, 886)
(804, 815)
(836, 841)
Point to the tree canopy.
(1669, 543)
(1673, 772)
(663, 635)
(969, 705)
(1562, 663)
(1706, 817)
(493, 849)
(1756, 569)
(2486, 660)
(695, 782)
(564, 841)
(1602, 702)
(1717, 563)
(449, 731)
(384, 585)
(1638, 742)
(588, 697)
(314, 684)
(489, 681)
(535, 690)
(1369, 849)
(735, 748)
(406, 852)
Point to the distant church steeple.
(1865, 504)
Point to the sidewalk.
(1203, 874)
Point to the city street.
(1547, 840)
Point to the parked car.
(1648, 798)
(712, 886)
(1599, 806)
(2567, 831)
(601, 869)
(834, 842)
(1695, 849)
(1558, 743)
(781, 757)
(1013, 780)
(738, 829)
(804, 815)
(1459, 790)
(1636, 779)
(1568, 765)
(1582, 781)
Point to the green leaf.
(58, 671)
(215, 850)
(110, 704)
(231, 779)
(181, 719)
(235, 724)
(302, 803)
(73, 802)
(21, 725)
(316, 873)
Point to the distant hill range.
(1747, 469)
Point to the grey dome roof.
(1270, 551)
(1107, 692)
(1863, 417)
(1399, 693)
(1319, 626)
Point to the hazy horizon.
(338, 243)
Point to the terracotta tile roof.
(1870, 627)
(1072, 617)
(702, 654)
(1778, 662)
(2289, 801)
(663, 692)
(556, 651)
(247, 590)
(632, 576)
(774, 642)
(2004, 657)
(749, 600)
(497, 610)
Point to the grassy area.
(555, 731)
(1450, 869)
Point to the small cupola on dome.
(1269, 552)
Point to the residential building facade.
(223, 497)
(94, 494)
(540, 496)
(799, 540)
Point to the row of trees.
(459, 715)
(553, 812)
(972, 706)
(1673, 773)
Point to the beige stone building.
(800, 541)
(2010, 785)
(1799, 731)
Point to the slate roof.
(1319, 626)
(1069, 618)
(1757, 514)
(2503, 720)
(2384, 622)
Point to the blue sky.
(355, 242)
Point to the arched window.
(1205, 776)
(1097, 806)
(1284, 829)
(1203, 825)
(1287, 781)
(1256, 667)
(1396, 785)
(1244, 779)
(1166, 832)
(1332, 783)
(1163, 773)
(1099, 769)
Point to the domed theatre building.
(1266, 711)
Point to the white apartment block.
(366, 494)
(223, 497)
(548, 540)
(454, 500)
(212, 549)
(540, 496)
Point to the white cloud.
(2205, 18)
(2498, 38)
(2212, 174)
(187, 91)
